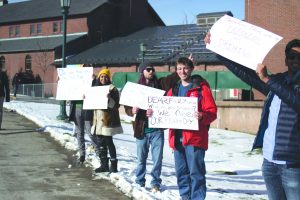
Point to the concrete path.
(35, 167)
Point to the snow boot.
(113, 166)
(103, 166)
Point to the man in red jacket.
(190, 145)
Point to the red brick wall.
(15, 62)
(280, 17)
(73, 26)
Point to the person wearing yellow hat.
(106, 123)
(104, 71)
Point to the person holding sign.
(145, 136)
(279, 130)
(82, 120)
(106, 123)
(190, 145)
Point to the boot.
(103, 166)
(113, 166)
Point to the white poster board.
(241, 42)
(136, 95)
(73, 82)
(173, 112)
(96, 98)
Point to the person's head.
(104, 77)
(184, 68)
(292, 56)
(147, 70)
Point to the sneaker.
(155, 189)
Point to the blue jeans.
(156, 141)
(281, 182)
(190, 172)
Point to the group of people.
(278, 134)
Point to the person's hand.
(261, 71)
(135, 110)
(83, 96)
(191, 57)
(207, 38)
(149, 112)
(198, 115)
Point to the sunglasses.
(150, 69)
(293, 55)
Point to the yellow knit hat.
(104, 71)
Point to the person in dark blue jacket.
(279, 130)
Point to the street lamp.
(65, 5)
(143, 48)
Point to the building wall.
(280, 17)
(73, 26)
(41, 64)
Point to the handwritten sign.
(241, 42)
(173, 112)
(135, 95)
(73, 82)
(96, 98)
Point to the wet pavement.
(33, 166)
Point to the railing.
(37, 90)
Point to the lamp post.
(143, 48)
(65, 5)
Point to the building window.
(61, 27)
(55, 27)
(32, 29)
(2, 62)
(17, 31)
(39, 28)
(211, 20)
(28, 63)
(11, 31)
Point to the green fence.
(216, 79)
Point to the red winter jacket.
(197, 138)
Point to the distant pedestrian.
(4, 93)
(16, 82)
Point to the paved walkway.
(35, 167)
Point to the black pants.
(106, 142)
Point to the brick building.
(280, 17)
(31, 31)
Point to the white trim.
(48, 36)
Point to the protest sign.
(135, 95)
(96, 97)
(73, 82)
(241, 42)
(173, 112)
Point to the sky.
(174, 12)
(233, 171)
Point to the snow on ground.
(233, 171)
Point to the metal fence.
(37, 90)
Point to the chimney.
(3, 2)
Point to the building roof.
(39, 9)
(164, 45)
(41, 43)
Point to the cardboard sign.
(73, 82)
(136, 95)
(96, 98)
(241, 42)
(173, 112)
